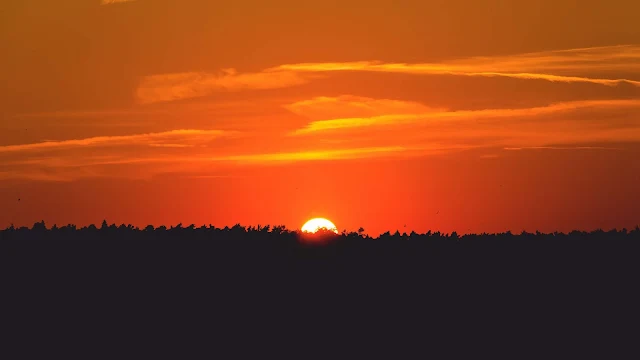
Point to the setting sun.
(316, 224)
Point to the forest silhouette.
(251, 291)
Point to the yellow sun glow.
(316, 224)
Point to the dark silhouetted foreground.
(187, 292)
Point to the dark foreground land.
(120, 292)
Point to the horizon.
(467, 116)
(279, 229)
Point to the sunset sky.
(465, 115)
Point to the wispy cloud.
(430, 116)
(334, 154)
(168, 138)
(449, 69)
(564, 125)
(143, 156)
(88, 114)
(559, 62)
(555, 66)
(72, 166)
(159, 109)
(37, 175)
(110, 2)
(561, 148)
(567, 66)
(170, 87)
(345, 106)
(243, 159)
(603, 58)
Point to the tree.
(39, 226)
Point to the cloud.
(566, 66)
(125, 156)
(561, 148)
(73, 166)
(35, 175)
(552, 127)
(466, 115)
(354, 106)
(110, 2)
(143, 156)
(168, 138)
(334, 154)
(171, 87)
(554, 66)
(603, 58)
(140, 111)
(255, 158)
(87, 114)
(477, 70)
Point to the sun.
(316, 224)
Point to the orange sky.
(449, 115)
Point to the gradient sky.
(461, 115)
